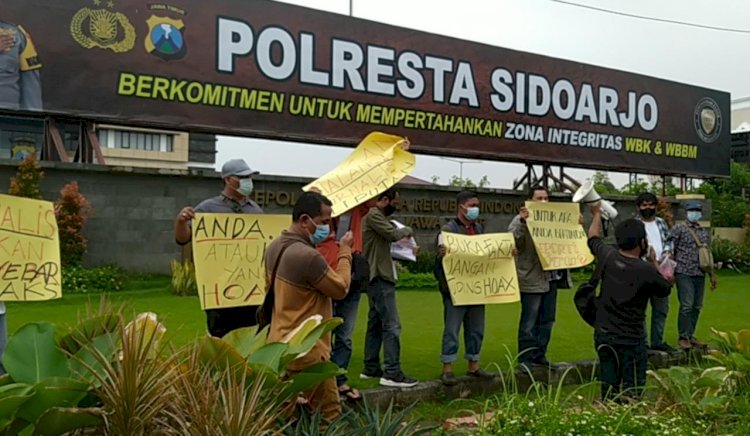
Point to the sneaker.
(684, 344)
(399, 380)
(364, 375)
(448, 379)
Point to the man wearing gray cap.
(688, 240)
(235, 198)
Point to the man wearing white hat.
(235, 198)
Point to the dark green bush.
(420, 281)
(79, 280)
(425, 263)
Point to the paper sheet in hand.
(404, 248)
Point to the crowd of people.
(321, 265)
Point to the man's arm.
(182, 231)
(380, 225)
(595, 230)
(335, 283)
(519, 230)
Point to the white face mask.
(246, 187)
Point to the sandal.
(350, 394)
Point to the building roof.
(409, 180)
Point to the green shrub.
(183, 278)
(731, 255)
(79, 280)
(425, 263)
(413, 281)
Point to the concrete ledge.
(573, 373)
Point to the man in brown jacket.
(305, 285)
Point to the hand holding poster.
(379, 162)
(229, 251)
(403, 249)
(559, 238)
(480, 269)
(29, 250)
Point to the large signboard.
(268, 69)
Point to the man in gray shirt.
(238, 185)
(20, 82)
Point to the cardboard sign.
(229, 252)
(378, 163)
(29, 250)
(480, 269)
(560, 240)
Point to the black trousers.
(222, 321)
(622, 365)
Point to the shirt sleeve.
(659, 285)
(332, 283)
(519, 230)
(380, 225)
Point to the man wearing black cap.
(235, 198)
(687, 239)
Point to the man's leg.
(699, 289)
(659, 312)
(452, 317)
(608, 366)
(473, 335)
(374, 335)
(527, 341)
(634, 363)
(341, 352)
(323, 397)
(686, 295)
(391, 330)
(547, 315)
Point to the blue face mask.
(321, 233)
(694, 216)
(472, 213)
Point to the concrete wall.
(133, 210)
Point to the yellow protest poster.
(228, 251)
(560, 240)
(29, 250)
(379, 162)
(480, 269)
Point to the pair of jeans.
(538, 312)
(622, 365)
(659, 312)
(341, 352)
(472, 318)
(690, 291)
(383, 329)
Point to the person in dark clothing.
(627, 285)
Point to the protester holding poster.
(471, 316)
(234, 198)
(538, 290)
(301, 285)
(383, 323)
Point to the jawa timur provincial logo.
(99, 27)
(166, 36)
(708, 120)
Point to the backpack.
(437, 270)
(705, 256)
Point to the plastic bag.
(666, 268)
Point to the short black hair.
(311, 204)
(630, 233)
(646, 197)
(465, 196)
(390, 194)
(535, 188)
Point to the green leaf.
(268, 357)
(304, 346)
(87, 330)
(216, 353)
(105, 345)
(312, 376)
(58, 420)
(743, 342)
(713, 402)
(53, 392)
(32, 354)
(245, 340)
(12, 397)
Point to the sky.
(698, 56)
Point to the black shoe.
(399, 380)
(365, 375)
(480, 373)
(663, 347)
(448, 379)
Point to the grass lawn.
(421, 319)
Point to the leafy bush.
(79, 280)
(417, 281)
(71, 211)
(28, 180)
(425, 263)
(729, 254)
(183, 278)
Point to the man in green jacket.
(383, 323)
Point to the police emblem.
(101, 28)
(166, 39)
(708, 121)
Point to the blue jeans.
(535, 327)
(622, 365)
(659, 312)
(472, 318)
(690, 291)
(383, 329)
(341, 353)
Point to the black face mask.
(648, 212)
(389, 210)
